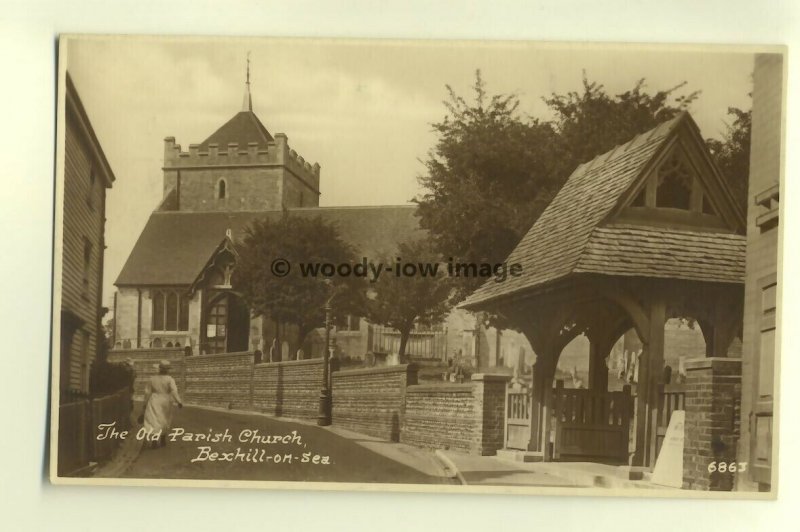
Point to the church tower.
(240, 167)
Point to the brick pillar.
(489, 403)
(713, 392)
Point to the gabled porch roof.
(581, 232)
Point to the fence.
(78, 423)
(421, 343)
(671, 397)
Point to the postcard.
(440, 266)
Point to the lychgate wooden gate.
(518, 418)
(671, 397)
(591, 425)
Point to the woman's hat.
(164, 364)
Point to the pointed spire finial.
(247, 103)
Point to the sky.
(362, 109)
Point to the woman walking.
(161, 391)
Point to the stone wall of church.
(255, 179)
(298, 194)
(125, 316)
(133, 330)
(246, 189)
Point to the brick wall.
(713, 389)
(490, 405)
(372, 401)
(440, 416)
(384, 402)
(288, 388)
(145, 362)
(462, 417)
(222, 380)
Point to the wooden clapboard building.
(761, 285)
(87, 175)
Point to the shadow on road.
(348, 461)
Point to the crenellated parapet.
(277, 153)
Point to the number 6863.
(727, 467)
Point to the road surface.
(287, 453)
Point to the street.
(279, 456)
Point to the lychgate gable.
(680, 189)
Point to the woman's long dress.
(161, 391)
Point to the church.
(175, 287)
(174, 290)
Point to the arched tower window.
(222, 189)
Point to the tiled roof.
(566, 237)
(174, 246)
(664, 253)
(243, 128)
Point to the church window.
(170, 311)
(674, 185)
(183, 314)
(222, 189)
(158, 311)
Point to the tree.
(293, 298)
(592, 122)
(489, 176)
(492, 172)
(400, 301)
(732, 154)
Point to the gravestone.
(669, 464)
(284, 350)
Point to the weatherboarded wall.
(289, 389)
(372, 400)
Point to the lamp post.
(324, 414)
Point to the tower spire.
(247, 102)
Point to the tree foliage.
(490, 174)
(592, 122)
(293, 298)
(732, 153)
(493, 171)
(402, 301)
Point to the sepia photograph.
(417, 265)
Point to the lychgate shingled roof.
(572, 236)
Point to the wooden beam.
(650, 372)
